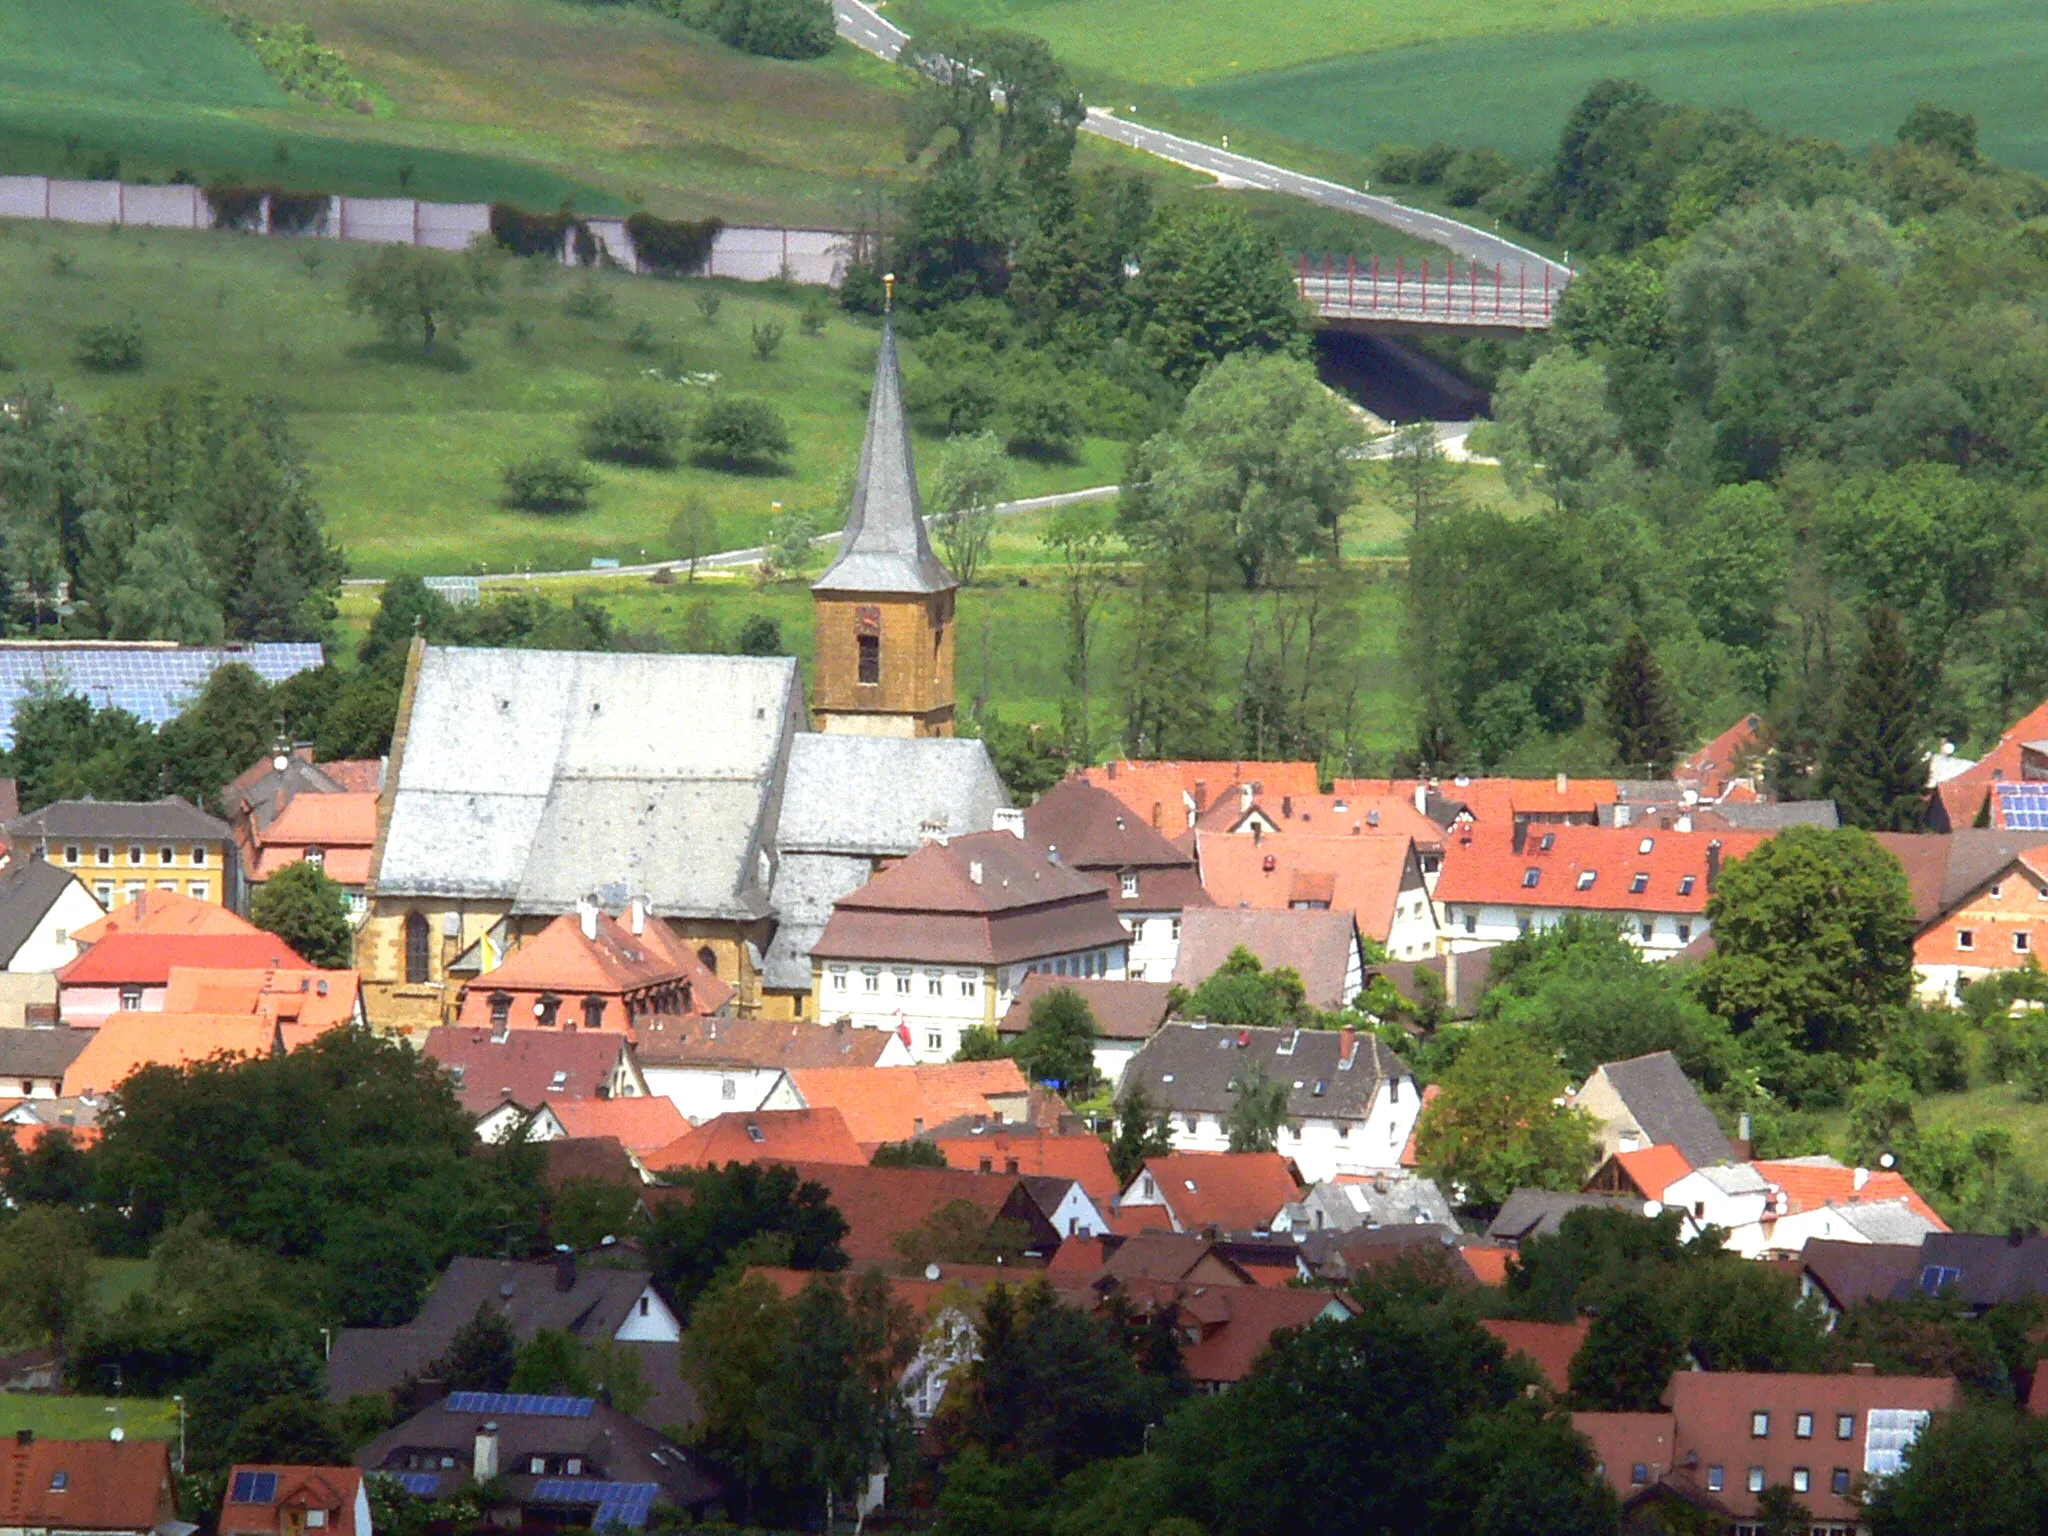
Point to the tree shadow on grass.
(445, 358)
(752, 469)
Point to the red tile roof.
(165, 912)
(333, 1490)
(1483, 868)
(1230, 1191)
(639, 1124)
(2037, 1399)
(1360, 875)
(128, 1042)
(1497, 802)
(342, 826)
(1728, 756)
(1654, 1169)
(881, 1204)
(1489, 1266)
(1810, 1185)
(521, 1068)
(1624, 1441)
(147, 958)
(1083, 1158)
(896, 1103)
(85, 1485)
(616, 963)
(307, 1001)
(1958, 800)
(1159, 791)
(1237, 1322)
(1332, 815)
(764, 1135)
(1317, 946)
(1548, 1346)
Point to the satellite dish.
(117, 1434)
(1886, 1161)
(1653, 1209)
(931, 1271)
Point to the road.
(864, 27)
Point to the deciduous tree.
(1497, 1125)
(307, 908)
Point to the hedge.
(529, 234)
(674, 247)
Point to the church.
(524, 782)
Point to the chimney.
(1347, 1043)
(636, 915)
(1521, 834)
(586, 914)
(565, 1267)
(1244, 797)
(24, 1437)
(974, 870)
(486, 1465)
(1009, 819)
(1112, 768)
(1201, 794)
(1258, 833)
(1862, 1178)
(1422, 796)
(1287, 807)
(1564, 783)
(1713, 865)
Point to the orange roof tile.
(297, 1489)
(303, 997)
(1482, 868)
(1489, 1266)
(616, 963)
(896, 1103)
(1332, 815)
(1160, 791)
(881, 1204)
(1499, 801)
(1084, 1158)
(759, 1136)
(1429, 1097)
(1230, 1191)
(27, 1137)
(1359, 875)
(1726, 757)
(1958, 800)
(85, 1485)
(639, 1124)
(148, 958)
(1654, 1169)
(164, 912)
(1548, 1346)
(128, 1042)
(324, 821)
(1810, 1185)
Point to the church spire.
(884, 548)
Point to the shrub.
(633, 429)
(547, 482)
(641, 337)
(813, 321)
(114, 347)
(297, 213)
(760, 635)
(587, 301)
(235, 207)
(767, 337)
(673, 247)
(1473, 174)
(1413, 166)
(1041, 420)
(529, 234)
(776, 29)
(708, 300)
(739, 433)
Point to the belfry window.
(870, 657)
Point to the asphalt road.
(864, 27)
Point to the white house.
(1150, 881)
(42, 907)
(711, 1067)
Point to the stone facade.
(904, 642)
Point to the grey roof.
(881, 796)
(169, 817)
(27, 892)
(1987, 1270)
(884, 548)
(1667, 1106)
(152, 680)
(1762, 817)
(1886, 1222)
(1356, 1203)
(40, 1052)
(1186, 1068)
(542, 776)
(806, 885)
(1537, 1212)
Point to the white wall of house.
(90, 1006)
(649, 1322)
(1660, 935)
(29, 1087)
(701, 1093)
(1706, 1204)
(1155, 944)
(1323, 1148)
(1111, 1057)
(49, 945)
(502, 1123)
(936, 1003)
(1078, 1216)
(1413, 933)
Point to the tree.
(1975, 1472)
(961, 1232)
(1556, 428)
(692, 1239)
(1942, 128)
(409, 291)
(760, 635)
(294, 1431)
(46, 1277)
(1058, 1046)
(1258, 1109)
(792, 548)
(973, 476)
(1210, 285)
(1242, 992)
(1418, 473)
(737, 432)
(776, 29)
(1521, 1470)
(378, 1269)
(916, 1154)
(1139, 1134)
(1737, 563)
(551, 1362)
(1638, 714)
(308, 909)
(1813, 944)
(693, 531)
(1497, 1125)
(165, 593)
(728, 1353)
(481, 1356)
(1629, 1353)
(633, 429)
(406, 607)
(586, 1212)
(1873, 766)
(1078, 539)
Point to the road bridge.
(1386, 298)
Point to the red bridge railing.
(1430, 293)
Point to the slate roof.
(27, 892)
(806, 886)
(1665, 1104)
(1124, 1010)
(172, 818)
(531, 776)
(1849, 1272)
(1989, 1269)
(1346, 1205)
(884, 547)
(40, 1052)
(1316, 945)
(881, 797)
(1189, 1068)
(1531, 1213)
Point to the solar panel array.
(153, 683)
(615, 1505)
(2023, 807)
(424, 1484)
(528, 1404)
(254, 1488)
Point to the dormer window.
(1685, 883)
(1530, 877)
(1587, 877)
(316, 857)
(1549, 841)
(1129, 885)
(558, 1082)
(1638, 884)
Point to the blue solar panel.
(425, 1484)
(2023, 807)
(525, 1404)
(254, 1488)
(151, 682)
(624, 1505)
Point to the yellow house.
(121, 848)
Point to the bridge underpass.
(1376, 297)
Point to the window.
(1530, 877)
(1802, 1427)
(870, 647)
(870, 979)
(1845, 1426)
(1685, 933)
(1174, 931)
(1838, 1481)
(2020, 942)
(1647, 928)
(934, 1040)
(969, 984)
(548, 1010)
(839, 979)
(131, 999)
(1194, 1124)
(198, 855)
(316, 857)
(135, 853)
(1638, 883)
(103, 855)
(71, 853)
(1716, 1478)
(935, 983)
(1759, 1425)
(27, 1088)
(1756, 1479)
(133, 889)
(59, 1481)
(708, 958)
(573, 1465)
(197, 890)
(1638, 1474)
(593, 1013)
(1802, 1480)
(419, 939)
(1549, 841)
(168, 885)
(1587, 877)
(903, 983)
(1996, 888)
(103, 891)
(1966, 939)
(501, 1010)
(1129, 886)
(728, 1089)
(536, 1465)
(1685, 883)
(1471, 922)
(167, 855)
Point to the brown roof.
(1945, 868)
(1316, 945)
(760, 1136)
(602, 1159)
(1363, 876)
(1848, 1272)
(1548, 1346)
(1233, 1324)
(1124, 1010)
(1171, 1256)
(989, 898)
(881, 1204)
(1026, 1150)
(1624, 1441)
(896, 1103)
(522, 1067)
(88, 1485)
(1222, 1191)
(768, 1043)
(1091, 829)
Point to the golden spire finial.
(888, 292)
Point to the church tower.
(884, 662)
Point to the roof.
(1528, 1213)
(27, 892)
(1124, 1010)
(1318, 946)
(1223, 1191)
(85, 1484)
(1653, 1169)
(1235, 1323)
(806, 886)
(1548, 1346)
(1161, 792)
(1663, 1102)
(128, 1042)
(907, 790)
(1148, 1255)
(1331, 1074)
(153, 680)
(1363, 876)
(1849, 1272)
(1732, 754)
(1812, 1182)
(763, 1044)
(147, 959)
(881, 1204)
(1957, 801)
(165, 912)
(1624, 1441)
(884, 547)
(530, 775)
(1983, 1270)
(615, 962)
(1485, 868)
(1944, 869)
(896, 1103)
(1093, 829)
(640, 1124)
(309, 1001)
(172, 817)
(986, 899)
(342, 825)
(1333, 815)
(528, 1067)
(759, 1136)
(1030, 1152)
(40, 1052)
(1494, 802)
(1348, 1203)
(256, 1492)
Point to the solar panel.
(523, 1404)
(424, 1484)
(1889, 1432)
(254, 1488)
(151, 682)
(2023, 807)
(623, 1505)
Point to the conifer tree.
(1873, 766)
(1637, 712)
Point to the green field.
(405, 453)
(1846, 72)
(88, 1418)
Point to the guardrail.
(1429, 293)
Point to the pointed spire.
(884, 548)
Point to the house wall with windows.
(2000, 926)
(50, 945)
(1155, 944)
(120, 869)
(1323, 1148)
(703, 1092)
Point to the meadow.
(405, 452)
(88, 1418)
